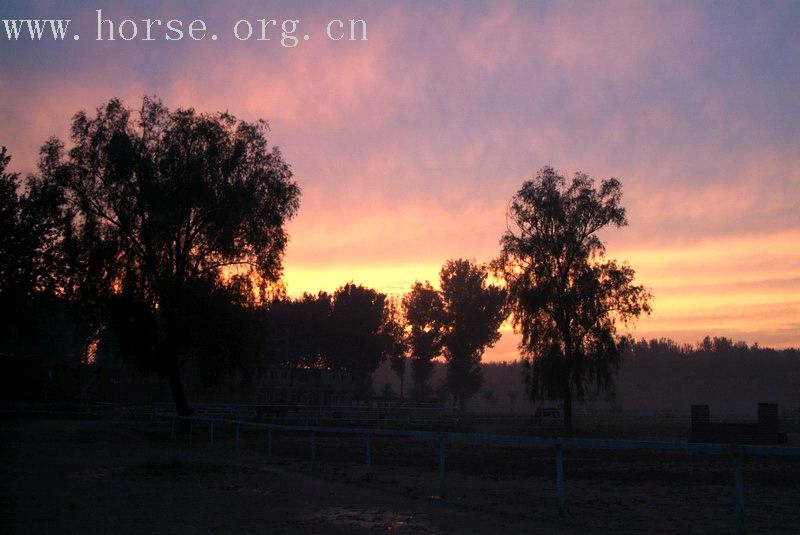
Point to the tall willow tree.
(565, 295)
(164, 202)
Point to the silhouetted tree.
(565, 296)
(34, 318)
(163, 201)
(29, 231)
(423, 310)
(472, 314)
(299, 331)
(512, 398)
(16, 282)
(359, 322)
(353, 330)
(223, 334)
(398, 345)
(387, 392)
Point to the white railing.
(736, 452)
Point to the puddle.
(93, 474)
(374, 519)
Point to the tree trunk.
(178, 394)
(568, 411)
(402, 380)
(567, 374)
(168, 342)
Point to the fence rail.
(736, 451)
(397, 416)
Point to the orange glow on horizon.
(737, 287)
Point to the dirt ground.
(100, 477)
(103, 477)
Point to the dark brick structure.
(765, 431)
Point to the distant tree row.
(357, 328)
(459, 321)
(664, 375)
(352, 330)
(716, 344)
(731, 376)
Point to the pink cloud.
(409, 146)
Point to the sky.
(408, 146)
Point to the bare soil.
(60, 476)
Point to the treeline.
(356, 328)
(156, 241)
(729, 375)
(504, 387)
(660, 375)
(157, 238)
(70, 292)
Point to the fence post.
(442, 483)
(237, 438)
(560, 479)
(738, 483)
(269, 445)
(172, 434)
(313, 450)
(369, 457)
(212, 433)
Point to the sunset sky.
(408, 146)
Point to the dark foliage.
(352, 331)
(170, 219)
(397, 345)
(730, 376)
(35, 319)
(359, 320)
(564, 294)
(299, 331)
(424, 314)
(473, 312)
